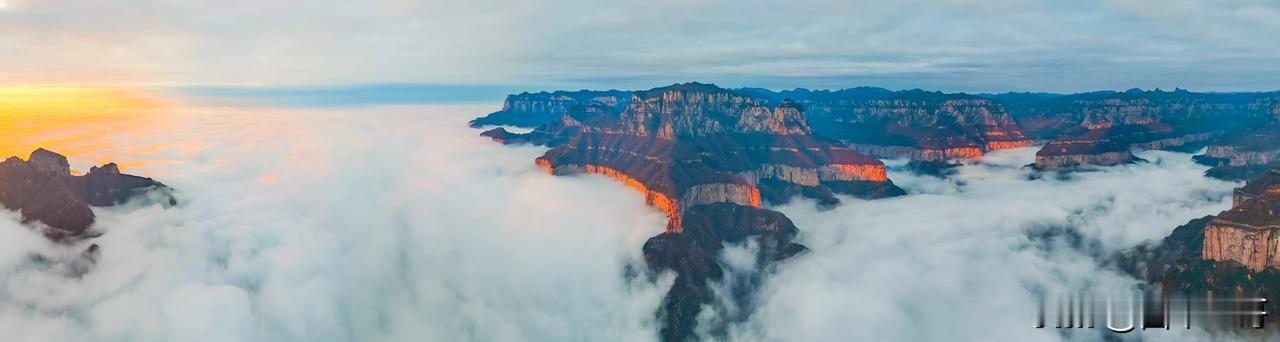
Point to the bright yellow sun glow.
(70, 120)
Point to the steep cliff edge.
(536, 109)
(708, 158)
(1249, 232)
(43, 190)
(912, 124)
(1089, 147)
(1245, 155)
(1234, 250)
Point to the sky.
(950, 45)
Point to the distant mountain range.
(1095, 128)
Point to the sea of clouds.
(360, 224)
(399, 223)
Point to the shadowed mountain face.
(1234, 250)
(535, 109)
(43, 189)
(1248, 154)
(914, 124)
(1101, 128)
(707, 157)
(1097, 128)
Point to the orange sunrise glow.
(71, 120)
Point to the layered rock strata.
(1248, 232)
(1233, 251)
(707, 157)
(909, 124)
(1135, 119)
(1245, 155)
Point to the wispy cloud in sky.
(943, 44)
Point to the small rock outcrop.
(43, 189)
(1094, 147)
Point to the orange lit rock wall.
(1001, 145)
(848, 172)
(741, 194)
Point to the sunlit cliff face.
(72, 121)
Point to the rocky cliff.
(1235, 250)
(1245, 155)
(708, 158)
(1256, 187)
(43, 190)
(912, 124)
(1091, 147)
(1247, 233)
(536, 109)
(1133, 119)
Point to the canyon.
(915, 124)
(1102, 128)
(1094, 128)
(712, 159)
(708, 158)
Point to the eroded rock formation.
(1248, 232)
(1245, 155)
(1100, 127)
(707, 157)
(43, 189)
(912, 124)
(1232, 251)
(1093, 147)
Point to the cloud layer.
(399, 223)
(370, 224)
(961, 259)
(951, 45)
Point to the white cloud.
(399, 223)
(950, 45)
(382, 224)
(955, 261)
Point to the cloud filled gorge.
(399, 223)
(959, 259)
(393, 223)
